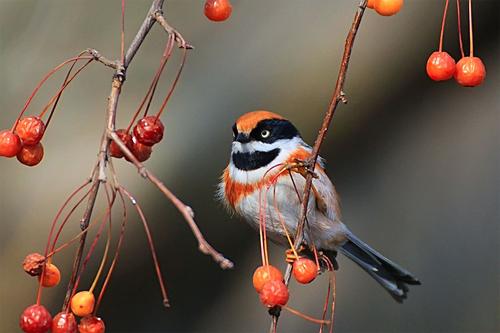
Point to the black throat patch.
(255, 160)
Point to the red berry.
(388, 7)
(30, 130)
(264, 274)
(10, 144)
(33, 264)
(218, 10)
(114, 150)
(91, 324)
(470, 72)
(35, 319)
(140, 151)
(149, 130)
(274, 293)
(440, 66)
(82, 303)
(30, 155)
(304, 270)
(51, 276)
(64, 322)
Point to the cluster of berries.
(268, 281)
(469, 71)
(37, 319)
(24, 141)
(147, 132)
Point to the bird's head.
(260, 137)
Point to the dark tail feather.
(392, 277)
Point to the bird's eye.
(265, 134)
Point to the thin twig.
(338, 96)
(184, 209)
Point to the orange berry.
(218, 10)
(388, 7)
(30, 130)
(264, 274)
(274, 293)
(10, 144)
(51, 276)
(304, 270)
(440, 66)
(371, 4)
(82, 303)
(470, 72)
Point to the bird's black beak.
(242, 138)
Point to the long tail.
(393, 278)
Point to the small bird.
(265, 144)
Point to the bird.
(263, 179)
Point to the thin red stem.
(471, 34)
(92, 248)
(166, 55)
(56, 238)
(57, 95)
(54, 222)
(170, 49)
(117, 253)
(306, 317)
(151, 244)
(45, 78)
(460, 29)
(442, 26)
(174, 84)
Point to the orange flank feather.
(246, 123)
(235, 191)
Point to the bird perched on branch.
(265, 179)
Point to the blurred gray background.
(416, 162)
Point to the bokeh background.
(416, 162)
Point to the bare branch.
(158, 15)
(147, 24)
(116, 65)
(338, 96)
(184, 209)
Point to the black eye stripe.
(279, 128)
(255, 160)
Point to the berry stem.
(116, 255)
(442, 26)
(106, 248)
(45, 78)
(91, 249)
(460, 29)
(283, 225)
(138, 208)
(70, 213)
(58, 94)
(59, 212)
(471, 34)
(174, 84)
(169, 50)
(166, 55)
(306, 317)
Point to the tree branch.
(98, 175)
(338, 96)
